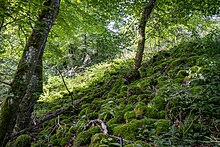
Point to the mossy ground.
(175, 102)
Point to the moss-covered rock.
(23, 141)
(158, 102)
(84, 138)
(129, 130)
(162, 125)
(129, 115)
(140, 109)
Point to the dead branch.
(104, 130)
(39, 122)
(9, 84)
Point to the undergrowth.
(176, 102)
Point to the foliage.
(177, 104)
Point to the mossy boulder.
(140, 109)
(23, 141)
(84, 137)
(158, 102)
(128, 130)
(138, 144)
(161, 125)
(129, 115)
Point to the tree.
(169, 14)
(141, 35)
(27, 83)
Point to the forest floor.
(176, 102)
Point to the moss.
(197, 90)
(123, 88)
(106, 114)
(158, 102)
(84, 111)
(138, 144)
(178, 80)
(134, 89)
(195, 69)
(140, 109)
(96, 104)
(152, 112)
(96, 139)
(84, 138)
(143, 98)
(129, 115)
(86, 99)
(181, 74)
(129, 130)
(112, 123)
(112, 94)
(162, 125)
(132, 99)
(23, 141)
(162, 80)
(121, 101)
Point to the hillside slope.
(175, 102)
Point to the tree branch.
(65, 85)
(9, 84)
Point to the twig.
(65, 85)
(38, 122)
(104, 130)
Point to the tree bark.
(141, 35)
(27, 82)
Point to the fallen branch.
(104, 130)
(38, 122)
(9, 84)
(48, 117)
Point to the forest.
(109, 73)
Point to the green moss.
(181, 74)
(23, 141)
(162, 80)
(158, 102)
(132, 99)
(129, 115)
(176, 63)
(140, 109)
(138, 144)
(121, 101)
(123, 88)
(197, 90)
(96, 139)
(143, 98)
(195, 69)
(178, 80)
(84, 138)
(96, 104)
(129, 130)
(162, 125)
(134, 89)
(151, 112)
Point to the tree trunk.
(27, 83)
(141, 36)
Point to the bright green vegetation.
(175, 102)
